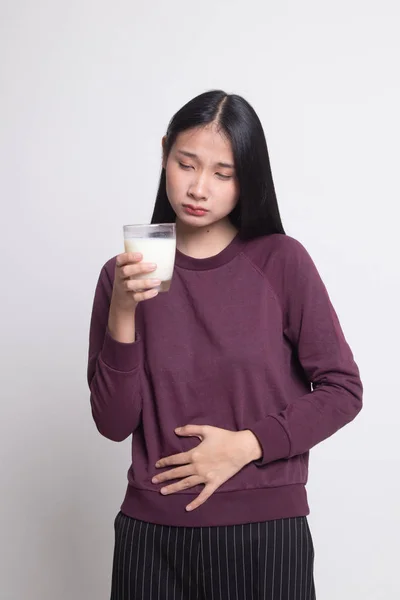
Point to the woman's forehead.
(203, 141)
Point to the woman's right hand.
(127, 292)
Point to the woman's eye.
(183, 166)
(221, 176)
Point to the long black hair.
(256, 212)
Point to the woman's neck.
(203, 242)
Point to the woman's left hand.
(220, 455)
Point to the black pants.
(272, 560)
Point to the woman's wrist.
(251, 446)
(121, 323)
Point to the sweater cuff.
(274, 440)
(119, 356)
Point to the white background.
(87, 90)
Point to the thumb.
(192, 431)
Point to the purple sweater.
(246, 339)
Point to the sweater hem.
(227, 508)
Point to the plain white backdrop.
(87, 88)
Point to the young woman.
(224, 383)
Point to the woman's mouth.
(196, 212)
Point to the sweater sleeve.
(313, 329)
(113, 369)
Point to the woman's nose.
(198, 190)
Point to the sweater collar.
(212, 262)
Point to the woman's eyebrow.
(192, 155)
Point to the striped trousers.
(272, 560)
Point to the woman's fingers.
(135, 269)
(133, 282)
(127, 258)
(141, 285)
(184, 484)
(129, 264)
(133, 273)
(183, 458)
(176, 473)
(140, 296)
(143, 289)
(204, 495)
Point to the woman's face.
(201, 182)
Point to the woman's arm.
(312, 326)
(114, 363)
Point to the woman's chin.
(194, 221)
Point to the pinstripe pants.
(272, 560)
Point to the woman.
(225, 382)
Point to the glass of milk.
(157, 244)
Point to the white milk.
(155, 250)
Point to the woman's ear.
(164, 151)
